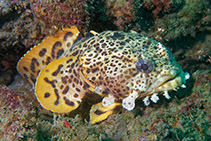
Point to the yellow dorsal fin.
(94, 32)
(59, 87)
(49, 50)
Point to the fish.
(119, 66)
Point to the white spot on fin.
(107, 101)
(183, 86)
(146, 101)
(154, 98)
(187, 75)
(175, 89)
(129, 102)
(166, 95)
(98, 90)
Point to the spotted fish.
(118, 66)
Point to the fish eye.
(145, 66)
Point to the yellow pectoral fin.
(98, 112)
(59, 87)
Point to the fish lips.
(166, 83)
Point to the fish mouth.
(169, 82)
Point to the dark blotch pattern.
(50, 82)
(55, 73)
(64, 79)
(57, 44)
(85, 86)
(47, 95)
(75, 53)
(95, 70)
(75, 95)
(68, 102)
(42, 52)
(70, 34)
(57, 97)
(78, 90)
(48, 60)
(66, 89)
(26, 69)
(98, 112)
(33, 63)
(70, 60)
(59, 53)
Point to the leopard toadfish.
(118, 66)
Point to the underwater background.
(184, 26)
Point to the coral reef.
(99, 20)
(16, 38)
(9, 9)
(159, 7)
(186, 22)
(185, 31)
(60, 14)
(17, 114)
(122, 11)
(195, 54)
(5, 7)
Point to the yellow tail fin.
(49, 50)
